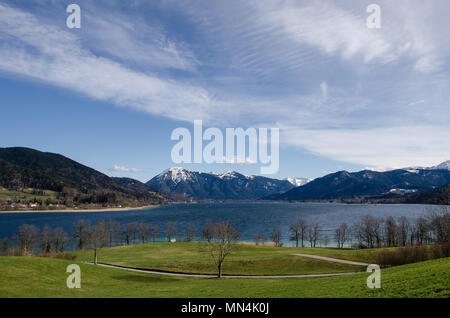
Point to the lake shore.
(81, 210)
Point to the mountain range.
(369, 184)
(213, 186)
(30, 173)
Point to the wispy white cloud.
(386, 88)
(393, 147)
(117, 168)
(55, 55)
(238, 160)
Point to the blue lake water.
(249, 217)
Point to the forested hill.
(439, 196)
(58, 180)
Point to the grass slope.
(46, 277)
(245, 260)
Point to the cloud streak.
(311, 68)
(117, 168)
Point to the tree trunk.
(95, 256)
(220, 271)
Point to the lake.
(249, 217)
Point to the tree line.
(370, 232)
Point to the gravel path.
(329, 259)
(149, 271)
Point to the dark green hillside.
(439, 196)
(22, 169)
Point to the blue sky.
(344, 96)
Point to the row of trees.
(370, 232)
(106, 233)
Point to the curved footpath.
(330, 259)
(158, 272)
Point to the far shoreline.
(82, 210)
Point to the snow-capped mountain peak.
(445, 165)
(298, 181)
(176, 174)
(230, 185)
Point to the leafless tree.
(259, 238)
(391, 231)
(313, 234)
(59, 238)
(80, 228)
(95, 240)
(144, 231)
(325, 240)
(155, 232)
(170, 230)
(134, 227)
(46, 239)
(439, 224)
(27, 237)
(422, 231)
(256, 237)
(190, 233)
(341, 235)
(298, 232)
(276, 236)
(207, 230)
(223, 241)
(403, 230)
(127, 232)
(5, 247)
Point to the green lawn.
(46, 277)
(245, 260)
(26, 194)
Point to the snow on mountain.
(176, 174)
(444, 165)
(229, 185)
(298, 181)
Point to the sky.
(344, 96)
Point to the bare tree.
(421, 231)
(325, 240)
(5, 247)
(46, 239)
(223, 241)
(391, 231)
(155, 232)
(403, 231)
(96, 238)
(439, 224)
(276, 236)
(190, 233)
(313, 234)
(298, 232)
(256, 237)
(259, 238)
(80, 228)
(26, 237)
(59, 238)
(133, 226)
(207, 231)
(102, 233)
(341, 235)
(170, 230)
(144, 231)
(127, 232)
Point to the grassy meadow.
(46, 277)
